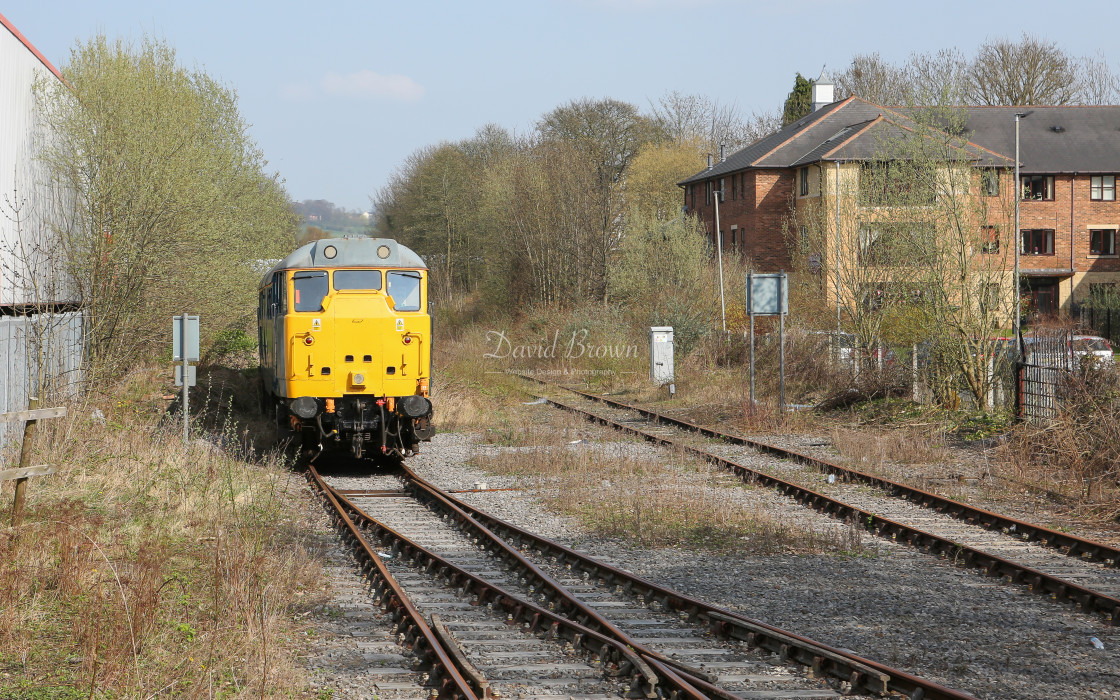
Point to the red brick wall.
(1070, 215)
(756, 203)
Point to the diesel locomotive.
(345, 347)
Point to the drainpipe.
(836, 272)
(1072, 187)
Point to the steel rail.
(409, 621)
(1036, 581)
(626, 661)
(824, 660)
(565, 603)
(1071, 545)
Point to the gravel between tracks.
(900, 607)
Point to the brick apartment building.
(1069, 163)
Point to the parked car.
(1083, 346)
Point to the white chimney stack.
(824, 91)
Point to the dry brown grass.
(148, 567)
(1077, 453)
(877, 449)
(624, 490)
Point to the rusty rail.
(824, 660)
(1040, 582)
(410, 623)
(1072, 545)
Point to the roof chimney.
(722, 157)
(824, 91)
(709, 161)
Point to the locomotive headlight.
(359, 379)
(329, 252)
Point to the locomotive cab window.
(310, 288)
(357, 279)
(404, 288)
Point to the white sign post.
(768, 295)
(185, 350)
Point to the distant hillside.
(322, 219)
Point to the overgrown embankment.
(148, 566)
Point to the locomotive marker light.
(329, 252)
(661, 357)
(768, 295)
(184, 332)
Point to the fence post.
(24, 462)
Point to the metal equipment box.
(661, 354)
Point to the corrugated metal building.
(41, 333)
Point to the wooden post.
(24, 462)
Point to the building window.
(989, 239)
(692, 196)
(1038, 187)
(989, 299)
(1038, 241)
(989, 182)
(708, 192)
(721, 190)
(734, 187)
(804, 181)
(1102, 188)
(1102, 242)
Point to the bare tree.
(1099, 84)
(609, 134)
(1030, 71)
(687, 119)
(871, 78)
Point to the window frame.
(380, 280)
(1048, 239)
(989, 182)
(310, 274)
(989, 240)
(1048, 194)
(1098, 190)
(1107, 234)
(419, 276)
(803, 189)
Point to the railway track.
(523, 616)
(1062, 566)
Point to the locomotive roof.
(352, 251)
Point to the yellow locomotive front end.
(346, 346)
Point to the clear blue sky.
(339, 93)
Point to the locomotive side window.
(310, 288)
(357, 279)
(404, 287)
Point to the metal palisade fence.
(1045, 368)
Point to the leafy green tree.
(173, 208)
(799, 102)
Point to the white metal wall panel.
(29, 206)
(56, 340)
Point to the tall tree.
(609, 134)
(174, 209)
(799, 102)
(1030, 71)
